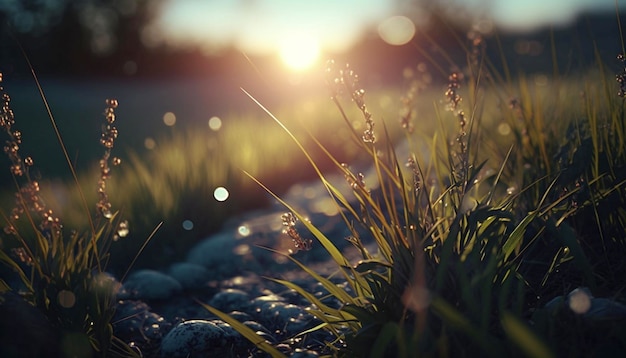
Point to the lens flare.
(299, 52)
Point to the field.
(491, 192)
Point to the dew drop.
(122, 229)
(511, 190)
(112, 103)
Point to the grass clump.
(470, 246)
(54, 273)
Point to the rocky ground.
(160, 311)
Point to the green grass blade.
(331, 287)
(4, 258)
(524, 338)
(328, 245)
(245, 331)
(314, 300)
(457, 320)
(516, 237)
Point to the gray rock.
(291, 319)
(304, 353)
(262, 302)
(256, 326)
(134, 323)
(190, 276)
(216, 255)
(231, 299)
(149, 285)
(24, 330)
(240, 316)
(200, 338)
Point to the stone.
(231, 299)
(201, 338)
(135, 323)
(291, 319)
(216, 255)
(149, 285)
(24, 330)
(189, 275)
(304, 353)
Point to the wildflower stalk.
(66, 279)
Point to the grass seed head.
(289, 221)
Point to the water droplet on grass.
(112, 103)
(122, 230)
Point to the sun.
(299, 52)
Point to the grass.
(519, 200)
(60, 272)
(175, 180)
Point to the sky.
(300, 30)
(297, 30)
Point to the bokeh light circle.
(149, 143)
(215, 123)
(188, 225)
(396, 30)
(220, 194)
(66, 299)
(169, 119)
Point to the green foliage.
(61, 273)
(456, 255)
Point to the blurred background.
(177, 68)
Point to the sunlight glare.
(299, 52)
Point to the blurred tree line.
(74, 36)
(116, 38)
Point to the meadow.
(492, 193)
